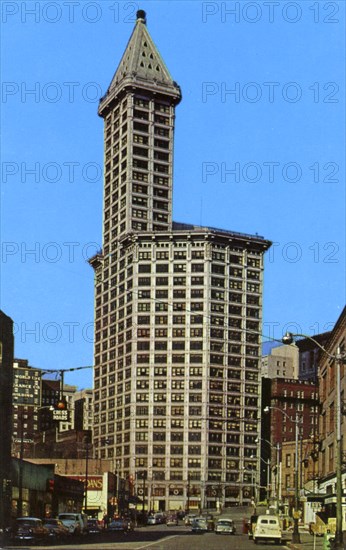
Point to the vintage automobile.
(225, 526)
(199, 525)
(189, 518)
(172, 519)
(29, 530)
(94, 527)
(267, 528)
(156, 519)
(56, 529)
(121, 524)
(76, 523)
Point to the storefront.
(67, 495)
(98, 494)
(29, 488)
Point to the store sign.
(95, 483)
(60, 415)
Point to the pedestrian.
(105, 520)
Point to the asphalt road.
(158, 538)
(161, 537)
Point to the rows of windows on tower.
(178, 308)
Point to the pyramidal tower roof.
(141, 66)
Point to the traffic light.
(61, 405)
(50, 485)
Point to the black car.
(94, 527)
(30, 530)
(56, 529)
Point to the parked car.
(189, 518)
(151, 520)
(156, 519)
(225, 526)
(56, 528)
(121, 524)
(199, 525)
(160, 518)
(76, 523)
(267, 528)
(29, 530)
(172, 519)
(94, 527)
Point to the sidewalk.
(307, 542)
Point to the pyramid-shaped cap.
(141, 66)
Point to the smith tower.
(138, 110)
(178, 312)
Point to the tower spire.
(141, 66)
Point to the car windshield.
(224, 522)
(51, 521)
(30, 522)
(67, 516)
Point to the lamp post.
(143, 475)
(267, 463)
(21, 465)
(296, 421)
(188, 493)
(87, 442)
(253, 486)
(118, 485)
(339, 357)
(276, 487)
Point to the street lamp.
(267, 463)
(118, 463)
(253, 486)
(297, 421)
(21, 464)
(87, 443)
(142, 475)
(339, 357)
(188, 494)
(276, 493)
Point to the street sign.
(60, 415)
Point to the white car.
(199, 525)
(225, 526)
(156, 519)
(267, 528)
(189, 518)
(76, 523)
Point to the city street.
(158, 538)
(161, 537)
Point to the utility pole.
(143, 503)
(338, 542)
(21, 465)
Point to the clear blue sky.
(267, 158)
